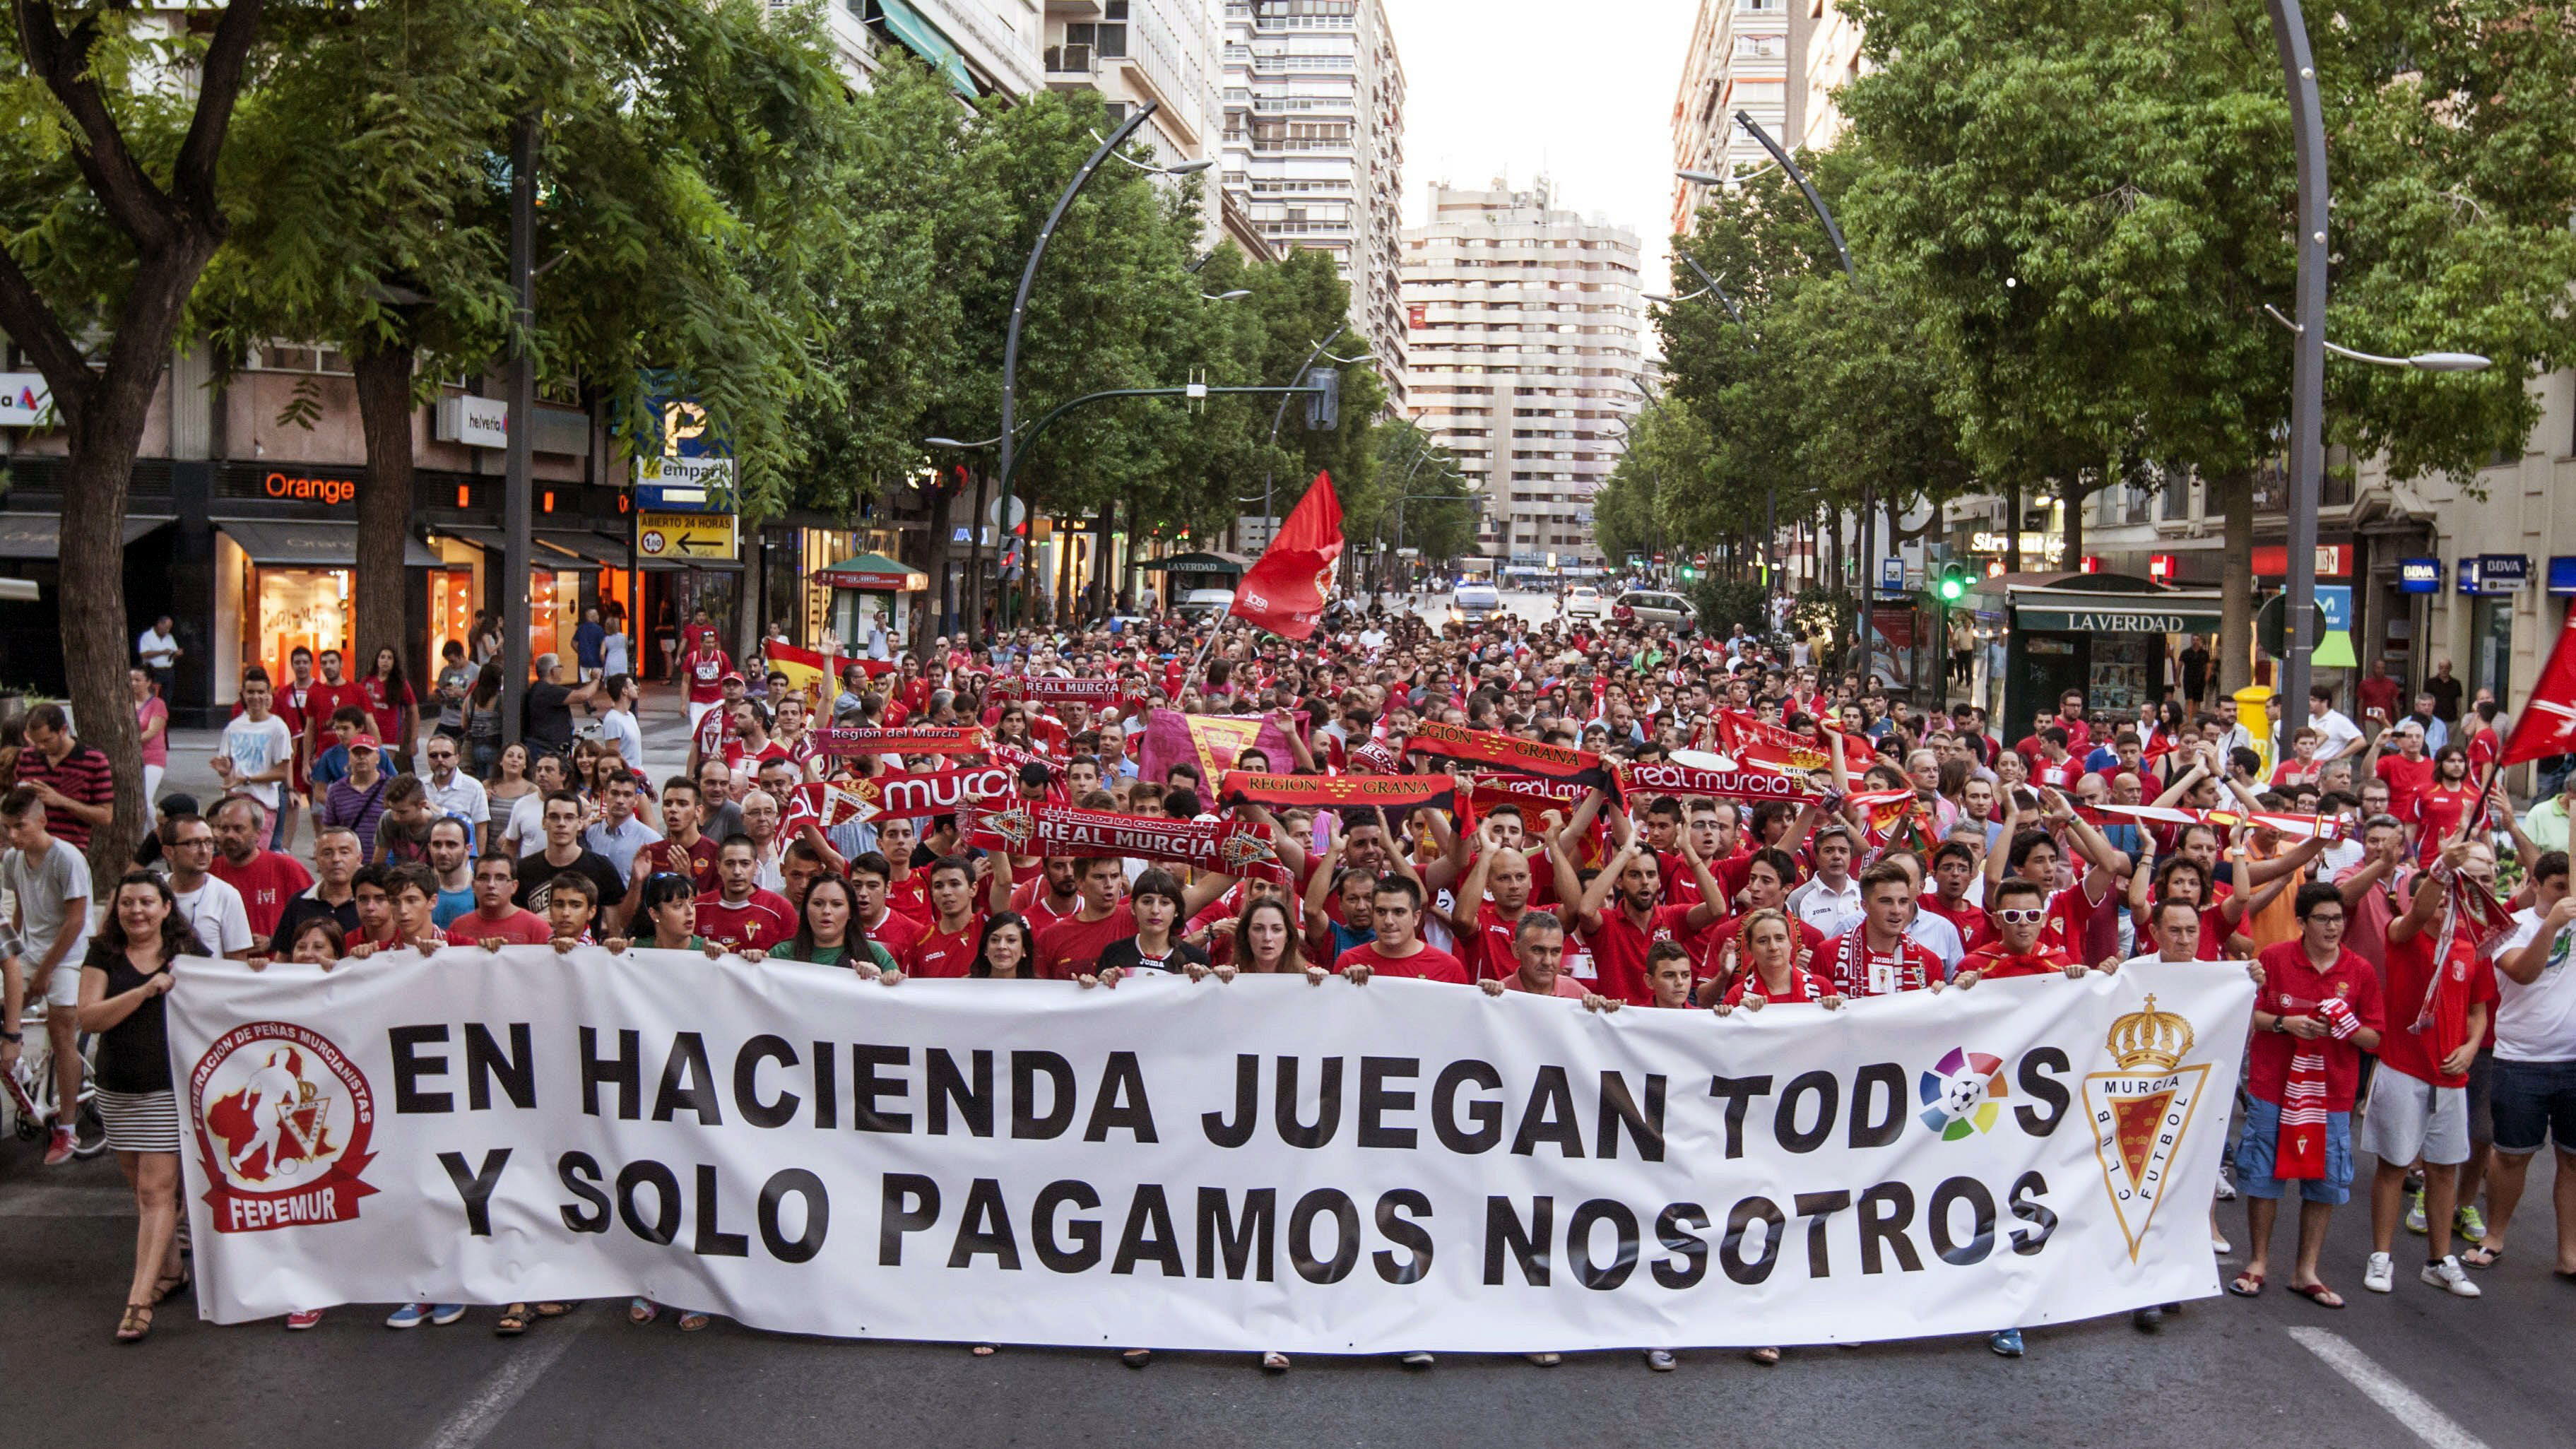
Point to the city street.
(2416, 1368)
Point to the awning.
(584, 544)
(2066, 611)
(293, 543)
(555, 551)
(875, 572)
(1198, 563)
(40, 535)
(925, 40)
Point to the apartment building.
(1743, 56)
(984, 47)
(1828, 58)
(1313, 147)
(1134, 51)
(1525, 360)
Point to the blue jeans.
(2534, 1102)
(2254, 1160)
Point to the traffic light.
(1324, 404)
(1952, 586)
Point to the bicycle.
(29, 1096)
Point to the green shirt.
(834, 955)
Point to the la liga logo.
(1963, 1094)
(282, 1118)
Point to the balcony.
(1070, 61)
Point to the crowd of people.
(2348, 878)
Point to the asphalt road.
(2414, 1369)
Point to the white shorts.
(2408, 1117)
(697, 712)
(63, 989)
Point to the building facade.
(1828, 58)
(1525, 361)
(983, 47)
(1313, 147)
(1135, 51)
(1742, 56)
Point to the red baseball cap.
(362, 741)
(735, 678)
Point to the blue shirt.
(451, 906)
(586, 639)
(331, 766)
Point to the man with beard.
(1619, 934)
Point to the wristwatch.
(13, 1036)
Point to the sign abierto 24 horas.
(1246, 1165)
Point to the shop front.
(2108, 635)
(872, 601)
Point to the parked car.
(1584, 601)
(1475, 601)
(1648, 606)
(1205, 603)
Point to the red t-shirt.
(2062, 775)
(1490, 951)
(1994, 963)
(752, 926)
(519, 928)
(1804, 986)
(2484, 748)
(2293, 987)
(1710, 948)
(2465, 981)
(1071, 947)
(2407, 779)
(1619, 948)
(944, 954)
(325, 700)
(705, 667)
(1030, 899)
(2070, 917)
(1565, 985)
(697, 862)
(1967, 916)
(1428, 964)
(897, 932)
(267, 883)
(2438, 813)
(1855, 970)
(387, 713)
(910, 896)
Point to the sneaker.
(1661, 1360)
(1417, 1359)
(2220, 1245)
(1545, 1360)
(410, 1315)
(2007, 1342)
(2415, 1212)
(2381, 1275)
(2450, 1277)
(444, 1314)
(2226, 1185)
(2469, 1223)
(2148, 1320)
(302, 1319)
(59, 1150)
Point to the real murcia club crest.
(282, 1117)
(2141, 1111)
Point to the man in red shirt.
(1487, 928)
(1538, 940)
(907, 890)
(1875, 958)
(266, 879)
(1395, 912)
(2408, 773)
(891, 929)
(740, 916)
(704, 668)
(1053, 894)
(2031, 855)
(2444, 804)
(1619, 935)
(955, 934)
(2056, 768)
(1072, 946)
(711, 725)
(1954, 868)
(497, 919)
(684, 848)
(2021, 912)
(2316, 1013)
(72, 780)
(2419, 1101)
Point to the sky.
(1519, 88)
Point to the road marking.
(480, 1414)
(2408, 1407)
(56, 1201)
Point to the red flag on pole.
(1285, 589)
(2547, 724)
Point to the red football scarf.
(1341, 792)
(1230, 847)
(913, 740)
(1666, 778)
(1857, 969)
(903, 795)
(1378, 756)
(1754, 741)
(1509, 752)
(1094, 692)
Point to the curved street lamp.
(2421, 361)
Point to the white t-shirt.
(2537, 1023)
(214, 910)
(44, 890)
(257, 745)
(2338, 729)
(156, 648)
(618, 727)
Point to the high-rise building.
(1828, 59)
(1134, 51)
(1740, 59)
(1314, 146)
(1525, 359)
(984, 47)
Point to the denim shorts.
(2254, 1158)
(2534, 1102)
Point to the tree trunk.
(2012, 529)
(95, 631)
(929, 617)
(384, 378)
(2076, 493)
(973, 624)
(1063, 570)
(2236, 587)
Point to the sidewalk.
(662, 713)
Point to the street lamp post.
(1020, 308)
(1269, 516)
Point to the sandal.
(170, 1283)
(2483, 1256)
(692, 1322)
(642, 1310)
(1764, 1356)
(2318, 1294)
(512, 1322)
(1136, 1358)
(555, 1310)
(984, 1350)
(1273, 1361)
(2246, 1285)
(136, 1323)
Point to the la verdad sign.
(1256, 1164)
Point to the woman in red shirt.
(395, 708)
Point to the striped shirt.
(82, 775)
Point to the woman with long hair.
(123, 979)
(508, 786)
(1004, 952)
(1265, 938)
(481, 714)
(827, 933)
(394, 707)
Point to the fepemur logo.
(1963, 1094)
(282, 1118)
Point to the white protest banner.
(1256, 1164)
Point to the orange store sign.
(309, 490)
